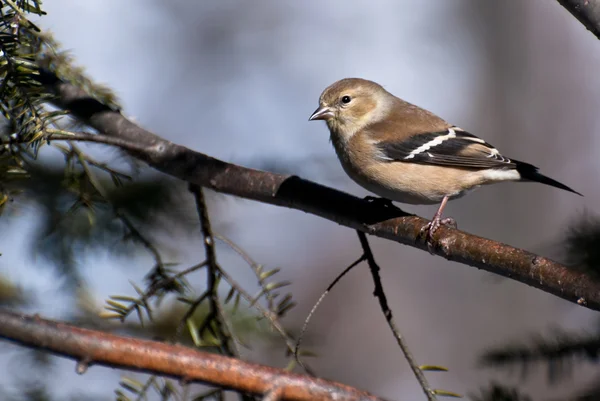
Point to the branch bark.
(90, 347)
(587, 12)
(296, 193)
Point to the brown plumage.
(404, 153)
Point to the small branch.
(587, 12)
(118, 213)
(270, 316)
(176, 361)
(158, 286)
(59, 135)
(250, 262)
(224, 332)
(296, 193)
(269, 312)
(316, 305)
(62, 135)
(189, 313)
(150, 247)
(379, 293)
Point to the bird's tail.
(530, 173)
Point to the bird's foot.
(430, 228)
(379, 201)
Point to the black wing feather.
(451, 152)
(446, 152)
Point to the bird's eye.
(346, 99)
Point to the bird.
(404, 153)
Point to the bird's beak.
(322, 113)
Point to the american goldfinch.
(404, 153)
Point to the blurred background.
(238, 80)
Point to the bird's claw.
(430, 228)
(449, 222)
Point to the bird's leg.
(430, 228)
(379, 201)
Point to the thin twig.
(316, 305)
(224, 332)
(141, 238)
(270, 312)
(92, 162)
(189, 313)
(63, 135)
(379, 293)
(253, 265)
(164, 283)
(133, 231)
(124, 219)
(270, 316)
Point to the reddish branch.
(586, 11)
(297, 193)
(90, 347)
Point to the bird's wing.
(452, 147)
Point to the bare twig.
(191, 365)
(253, 265)
(190, 312)
(141, 238)
(270, 312)
(224, 333)
(273, 320)
(379, 293)
(316, 305)
(63, 135)
(296, 193)
(120, 215)
(67, 150)
(154, 288)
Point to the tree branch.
(379, 293)
(94, 347)
(296, 193)
(587, 12)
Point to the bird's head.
(351, 104)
